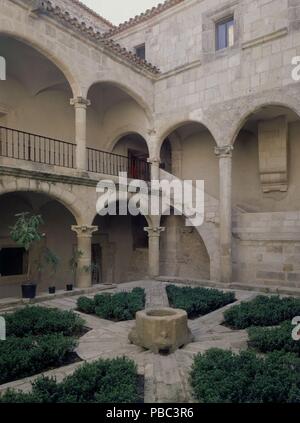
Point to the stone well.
(161, 330)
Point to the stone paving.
(166, 377)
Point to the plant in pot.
(26, 233)
(73, 264)
(52, 262)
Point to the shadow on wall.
(183, 252)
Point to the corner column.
(80, 104)
(84, 247)
(224, 154)
(153, 248)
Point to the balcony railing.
(22, 145)
(112, 164)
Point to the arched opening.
(110, 119)
(183, 252)
(265, 161)
(35, 98)
(188, 153)
(120, 249)
(59, 239)
(266, 197)
(134, 147)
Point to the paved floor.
(166, 377)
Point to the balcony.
(20, 145)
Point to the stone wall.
(267, 248)
(183, 252)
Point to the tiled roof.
(148, 14)
(48, 8)
(92, 12)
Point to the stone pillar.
(154, 163)
(80, 105)
(225, 176)
(154, 237)
(84, 247)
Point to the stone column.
(154, 164)
(225, 175)
(154, 237)
(84, 247)
(80, 105)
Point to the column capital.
(224, 151)
(80, 102)
(155, 231)
(84, 230)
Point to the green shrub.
(198, 301)
(35, 320)
(274, 339)
(22, 357)
(104, 381)
(262, 311)
(118, 307)
(220, 376)
(86, 305)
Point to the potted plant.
(26, 233)
(73, 264)
(52, 261)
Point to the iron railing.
(112, 164)
(22, 145)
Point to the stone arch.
(66, 198)
(147, 217)
(131, 93)
(243, 115)
(122, 132)
(168, 127)
(48, 54)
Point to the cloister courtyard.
(170, 378)
(147, 307)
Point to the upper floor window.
(225, 33)
(140, 51)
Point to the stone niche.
(272, 147)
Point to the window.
(225, 33)
(13, 261)
(140, 51)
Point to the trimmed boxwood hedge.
(36, 320)
(38, 339)
(117, 307)
(104, 381)
(262, 311)
(274, 339)
(22, 357)
(220, 376)
(198, 301)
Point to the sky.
(118, 11)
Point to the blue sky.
(118, 11)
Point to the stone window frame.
(210, 20)
(140, 46)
